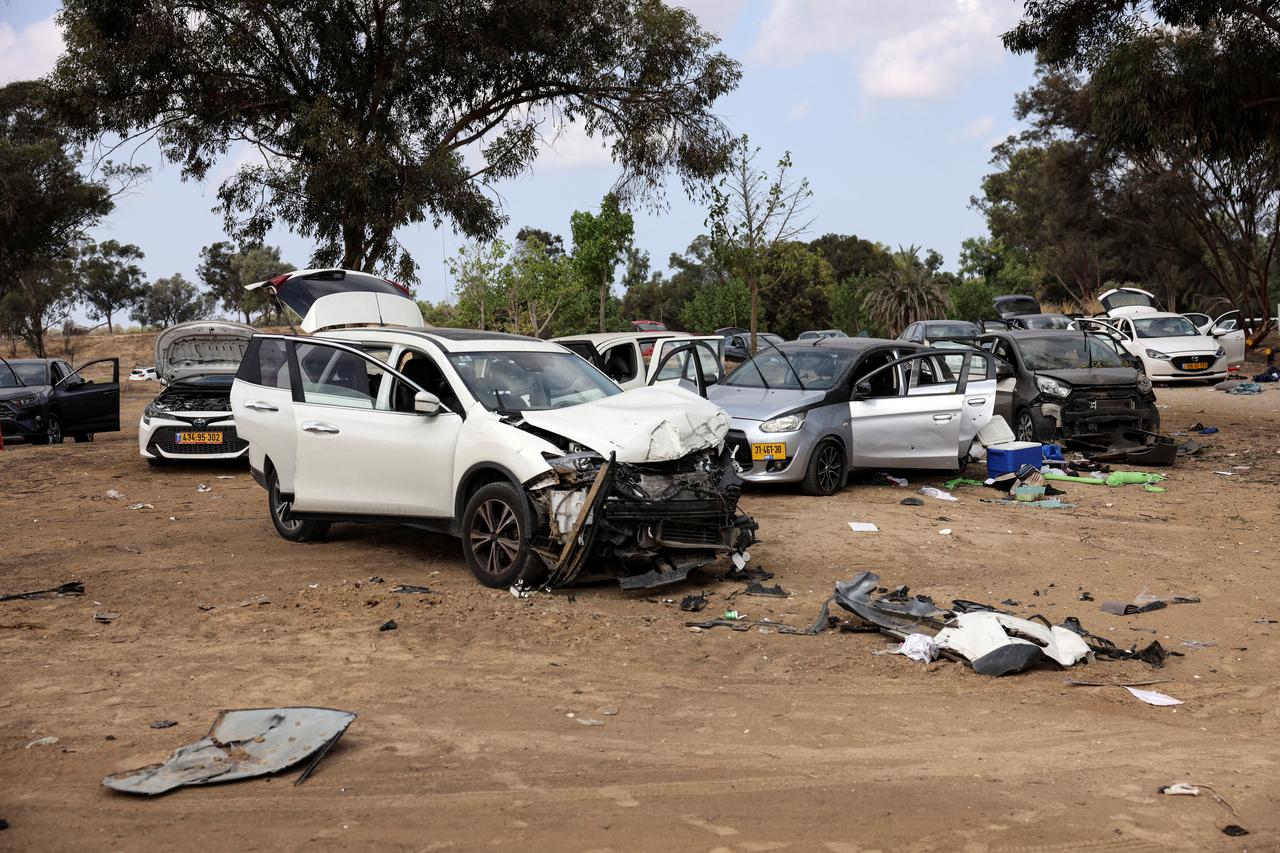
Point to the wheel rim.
(55, 431)
(1026, 429)
(829, 465)
(495, 537)
(281, 508)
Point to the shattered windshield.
(1165, 327)
(1068, 353)
(531, 381)
(817, 369)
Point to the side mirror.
(1004, 370)
(1219, 331)
(426, 403)
(862, 391)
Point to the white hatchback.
(547, 470)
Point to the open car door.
(692, 362)
(1228, 331)
(89, 398)
(585, 349)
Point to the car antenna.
(794, 372)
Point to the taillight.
(404, 289)
(278, 280)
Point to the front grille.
(166, 439)
(684, 532)
(737, 441)
(1181, 362)
(704, 512)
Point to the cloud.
(899, 51)
(719, 16)
(567, 146)
(30, 52)
(980, 126)
(799, 111)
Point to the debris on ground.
(946, 531)
(163, 724)
(113, 495)
(863, 527)
(242, 744)
(609, 711)
(1151, 697)
(69, 588)
(775, 591)
(140, 506)
(694, 603)
(204, 488)
(44, 741)
(389, 625)
(1145, 603)
(1179, 789)
(939, 494)
(106, 617)
(1245, 388)
(257, 599)
(520, 590)
(911, 502)
(1234, 830)
(587, 721)
(410, 590)
(919, 647)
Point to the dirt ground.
(468, 734)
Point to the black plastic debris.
(242, 744)
(1084, 596)
(912, 501)
(1234, 829)
(375, 579)
(694, 603)
(4, 824)
(775, 591)
(1009, 602)
(749, 573)
(389, 625)
(410, 590)
(1145, 603)
(163, 724)
(69, 588)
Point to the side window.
(56, 373)
(382, 352)
(265, 363)
(425, 372)
(620, 362)
(334, 377)
(884, 383)
(739, 342)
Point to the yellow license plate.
(768, 451)
(199, 438)
(1195, 365)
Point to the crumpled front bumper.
(1082, 415)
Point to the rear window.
(304, 291)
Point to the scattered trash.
(206, 607)
(1009, 602)
(962, 481)
(919, 647)
(586, 721)
(775, 591)
(694, 603)
(257, 599)
(1144, 603)
(609, 711)
(754, 573)
(1271, 374)
(1151, 697)
(389, 625)
(994, 643)
(140, 506)
(911, 502)
(1190, 447)
(519, 590)
(242, 744)
(1084, 596)
(163, 724)
(44, 741)
(106, 617)
(204, 488)
(1246, 388)
(1226, 473)
(931, 492)
(410, 590)
(1077, 683)
(375, 579)
(863, 527)
(1199, 644)
(732, 615)
(112, 494)
(1179, 789)
(1150, 488)
(69, 588)
(225, 477)
(897, 481)
(946, 531)
(1234, 829)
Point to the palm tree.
(904, 294)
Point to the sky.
(888, 107)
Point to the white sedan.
(1170, 346)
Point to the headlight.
(577, 462)
(1052, 387)
(152, 411)
(1220, 353)
(22, 402)
(1155, 353)
(786, 423)
(1144, 383)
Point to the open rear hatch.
(1128, 297)
(334, 298)
(1015, 305)
(201, 348)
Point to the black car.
(737, 342)
(1063, 384)
(930, 332)
(1017, 311)
(43, 399)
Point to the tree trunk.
(604, 290)
(110, 330)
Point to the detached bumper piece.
(1133, 447)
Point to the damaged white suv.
(547, 470)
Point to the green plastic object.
(1067, 478)
(1132, 478)
(1150, 488)
(961, 481)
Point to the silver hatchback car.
(809, 411)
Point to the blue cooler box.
(1010, 456)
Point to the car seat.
(618, 366)
(424, 373)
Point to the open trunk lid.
(201, 348)
(334, 298)
(1015, 305)
(1128, 297)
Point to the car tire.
(82, 437)
(295, 530)
(496, 528)
(827, 471)
(53, 432)
(1025, 426)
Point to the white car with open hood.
(547, 470)
(191, 418)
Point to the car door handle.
(977, 401)
(942, 419)
(259, 406)
(320, 427)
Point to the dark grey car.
(1060, 384)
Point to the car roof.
(855, 344)
(606, 337)
(32, 360)
(449, 340)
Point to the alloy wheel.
(282, 508)
(830, 467)
(1026, 427)
(55, 431)
(495, 536)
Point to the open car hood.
(660, 423)
(334, 298)
(200, 348)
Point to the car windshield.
(1165, 327)
(1069, 352)
(8, 379)
(816, 369)
(30, 372)
(531, 381)
(951, 330)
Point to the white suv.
(548, 471)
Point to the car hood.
(654, 424)
(23, 391)
(1181, 345)
(760, 404)
(1094, 376)
(201, 348)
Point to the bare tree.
(752, 214)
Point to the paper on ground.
(1151, 697)
(863, 527)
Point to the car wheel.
(293, 529)
(53, 433)
(82, 437)
(827, 469)
(1026, 426)
(495, 536)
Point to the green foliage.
(971, 299)
(599, 243)
(907, 293)
(225, 272)
(851, 256)
(715, 305)
(374, 115)
(169, 301)
(110, 278)
(664, 299)
(441, 313)
(848, 308)
(797, 289)
(43, 296)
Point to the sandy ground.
(721, 741)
